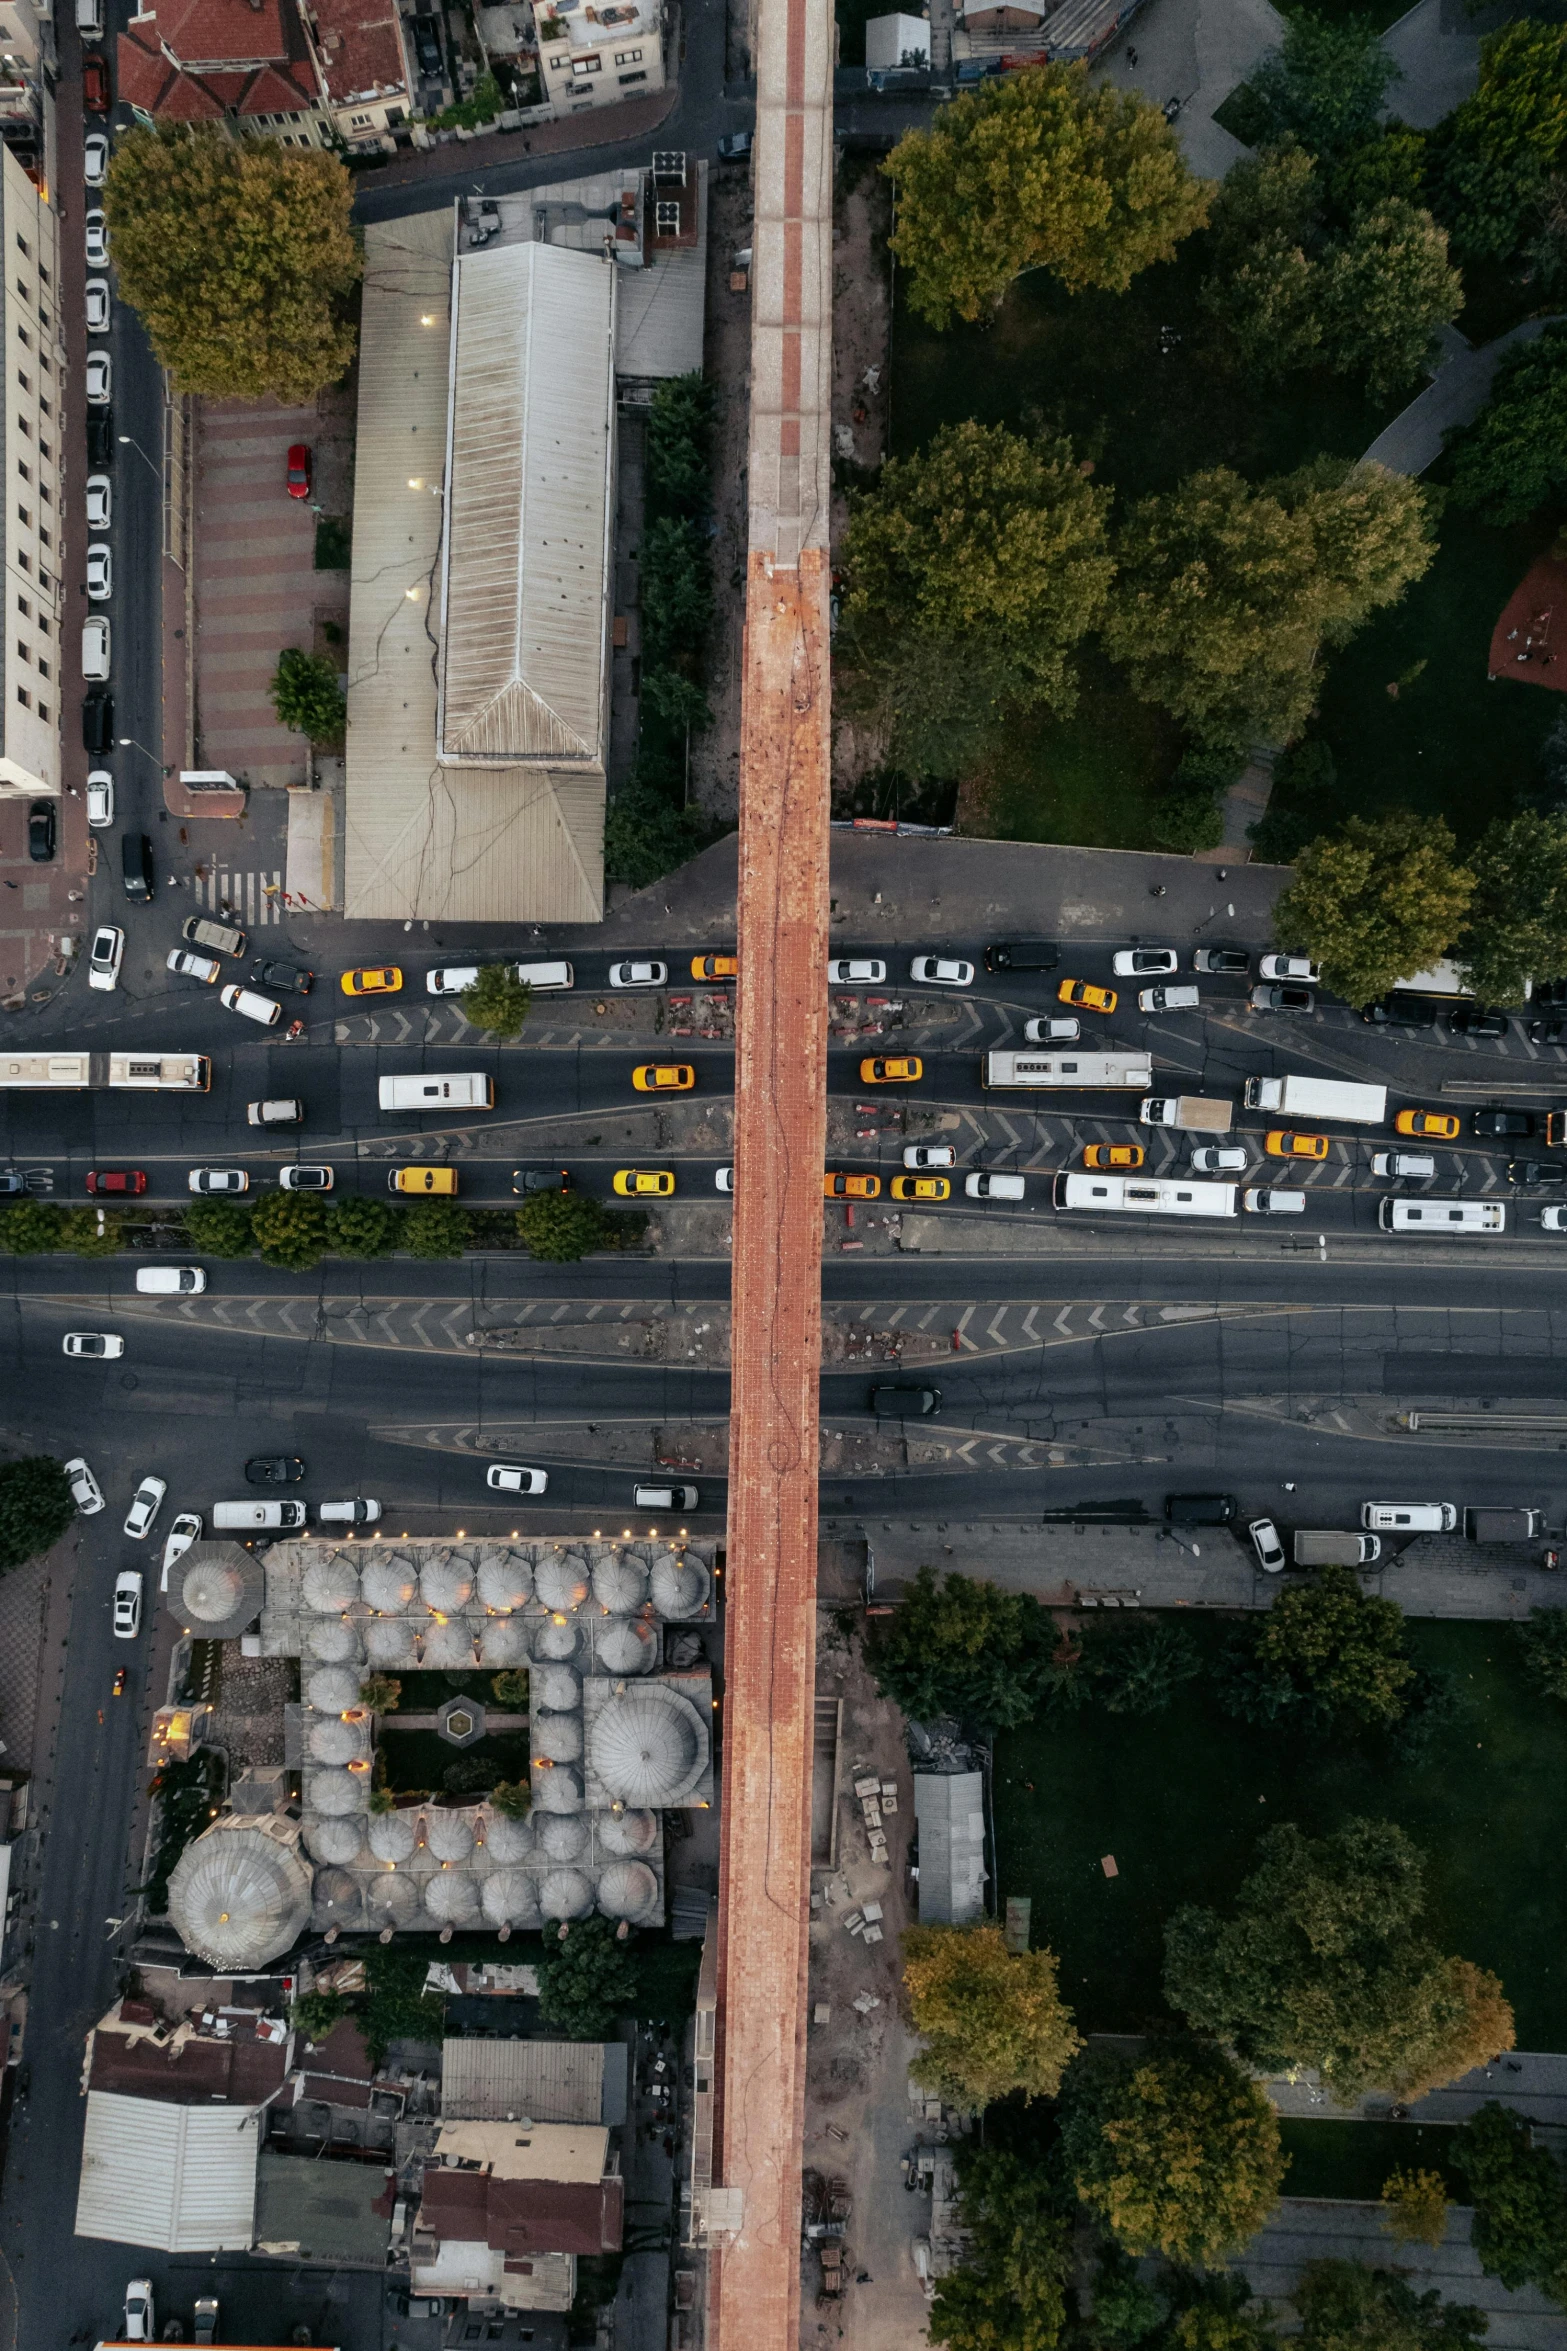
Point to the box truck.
(1194, 1114)
(1503, 1526)
(1333, 1547)
(1319, 1098)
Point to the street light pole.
(129, 743)
(129, 441)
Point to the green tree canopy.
(679, 445)
(91, 1232)
(1130, 1664)
(1325, 83)
(1517, 925)
(219, 1228)
(240, 257)
(1491, 157)
(315, 2013)
(1415, 2207)
(381, 1692)
(646, 835)
(1344, 2306)
(435, 1228)
(498, 1001)
(1264, 289)
(307, 697)
(992, 2021)
(1331, 1649)
(1513, 458)
(30, 1226)
(359, 1226)
(677, 590)
(560, 1227)
(586, 1980)
(1543, 1637)
(1377, 902)
(1038, 170)
(1322, 1965)
(1009, 2291)
(35, 1507)
(1385, 291)
(1176, 2152)
(959, 1646)
(1515, 2186)
(290, 1228)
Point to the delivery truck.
(1335, 1547)
(1503, 1525)
(1194, 1114)
(1332, 1098)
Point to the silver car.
(638, 975)
(856, 971)
(86, 1492)
(1265, 1542)
(100, 573)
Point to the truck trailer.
(1194, 1114)
(1335, 1098)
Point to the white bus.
(1092, 1073)
(179, 1073)
(466, 1089)
(1142, 1196)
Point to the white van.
(170, 1281)
(359, 1513)
(250, 1518)
(265, 1009)
(542, 977)
(983, 1185)
(89, 19)
(1264, 1200)
(467, 1089)
(1442, 1216)
(1410, 1518)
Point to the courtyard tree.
(1385, 291)
(35, 1507)
(586, 1979)
(290, 1229)
(1414, 2207)
(239, 255)
(358, 1226)
(1517, 925)
(498, 1001)
(560, 1227)
(1381, 899)
(513, 1799)
(992, 2021)
(1323, 1964)
(677, 590)
(679, 445)
(959, 1646)
(381, 1692)
(1008, 2293)
(1136, 1664)
(1325, 83)
(1513, 458)
(1038, 170)
(307, 697)
(647, 835)
(1346, 2306)
(219, 1228)
(314, 2014)
(1325, 1649)
(510, 1689)
(1543, 1638)
(1176, 2152)
(1520, 2208)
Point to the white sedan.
(86, 1492)
(95, 158)
(1289, 967)
(930, 1155)
(98, 318)
(941, 971)
(1219, 1159)
(100, 574)
(1265, 1542)
(1133, 963)
(507, 1477)
(145, 1508)
(100, 799)
(186, 964)
(856, 971)
(214, 1181)
(305, 1179)
(106, 955)
(185, 1531)
(724, 1180)
(100, 379)
(100, 501)
(638, 975)
(106, 1346)
(1054, 1029)
(95, 229)
(451, 979)
(127, 1604)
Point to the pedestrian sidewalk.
(1532, 2081)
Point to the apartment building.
(34, 371)
(595, 52)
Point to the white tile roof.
(180, 2178)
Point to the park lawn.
(1179, 1800)
(1351, 2160)
(1089, 779)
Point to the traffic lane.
(488, 1280)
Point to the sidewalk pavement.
(1436, 48)
(1308, 2229)
(1455, 396)
(606, 126)
(1532, 2081)
(1196, 51)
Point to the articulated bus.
(1090, 1073)
(1137, 1196)
(153, 1073)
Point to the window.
(24, 289)
(23, 247)
(628, 57)
(23, 559)
(24, 517)
(43, 667)
(24, 426)
(44, 405)
(45, 321)
(24, 697)
(44, 538)
(581, 65)
(24, 337)
(632, 77)
(43, 275)
(22, 470)
(43, 710)
(359, 121)
(23, 650)
(556, 63)
(44, 449)
(24, 608)
(25, 381)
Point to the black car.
(1022, 955)
(1283, 996)
(97, 720)
(1397, 1012)
(540, 1179)
(287, 976)
(1534, 1172)
(1232, 962)
(905, 1402)
(100, 437)
(1472, 1020)
(1199, 1510)
(1549, 1032)
(427, 45)
(274, 1469)
(136, 866)
(1503, 1126)
(1551, 994)
(735, 146)
(40, 831)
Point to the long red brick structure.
(780, 1143)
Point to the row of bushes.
(296, 1229)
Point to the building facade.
(595, 52)
(34, 405)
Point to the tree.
(1515, 2185)
(1415, 2207)
(1384, 294)
(290, 1229)
(1009, 2291)
(219, 1228)
(358, 1226)
(1543, 1637)
(676, 699)
(1329, 1649)
(586, 1980)
(511, 1688)
(1176, 2152)
(679, 445)
(560, 1227)
(992, 2021)
(92, 1232)
(498, 1001)
(1343, 2306)
(1326, 81)
(1038, 170)
(1264, 288)
(307, 697)
(314, 2014)
(1137, 1663)
(435, 1228)
(1322, 1965)
(1377, 902)
(513, 1799)
(646, 836)
(1493, 154)
(1513, 458)
(240, 256)
(677, 590)
(1389, 161)
(1227, 592)
(961, 1647)
(1517, 926)
(35, 1508)
(381, 1692)
(29, 1226)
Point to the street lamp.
(129, 441)
(129, 743)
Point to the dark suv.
(905, 1403)
(1398, 1012)
(1199, 1510)
(1504, 1126)
(97, 720)
(40, 831)
(1022, 955)
(1472, 1020)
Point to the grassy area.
(422, 1759)
(1352, 2159)
(1180, 1800)
(1090, 778)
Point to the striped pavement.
(253, 897)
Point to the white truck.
(1296, 1097)
(1194, 1114)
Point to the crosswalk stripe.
(253, 896)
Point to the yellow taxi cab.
(1438, 1126)
(715, 967)
(644, 1183)
(1280, 1145)
(423, 1180)
(851, 1187)
(1114, 1155)
(664, 1077)
(902, 1070)
(386, 981)
(921, 1188)
(1084, 994)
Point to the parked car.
(97, 720)
(1233, 962)
(95, 647)
(170, 1281)
(217, 1182)
(735, 146)
(100, 799)
(1550, 1031)
(99, 318)
(145, 1508)
(1220, 1159)
(274, 1469)
(1022, 955)
(1473, 1020)
(1282, 997)
(105, 957)
(451, 979)
(100, 436)
(95, 158)
(186, 966)
(305, 1178)
(664, 1497)
(140, 2325)
(115, 1181)
(1199, 1510)
(96, 1346)
(298, 476)
(1288, 967)
(985, 1184)
(930, 1155)
(1398, 1012)
(99, 379)
(41, 831)
(86, 1492)
(941, 971)
(1140, 963)
(185, 1530)
(265, 1010)
(1054, 1028)
(1503, 1126)
(95, 230)
(95, 91)
(1265, 1542)
(360, 1512)
(645, 974)
(127, 1603)
(509, 1477)
(856, 971)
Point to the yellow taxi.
(423, 1180)
(386, 981)
(901, 1070)
(1279, 1144)
(851, 1187)
(644, 1183)
(1086, 996)
(1438, 1126)
(1114, 1155)
(664, 1077)
(921, 1188)
(715, 967)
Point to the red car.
(116, 1179)
(95, 85)
(299, 471)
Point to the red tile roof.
(219, 32)
(196, 60)
(360, 48)
(186, 101)
(237, 2071)
(144, 72)
(273, 92)
(521, 2217)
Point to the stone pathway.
(1455, 396)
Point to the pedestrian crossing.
(253, 898)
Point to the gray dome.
(507, 1840)
(503, 1640)
(565, 1893)
(338, 1899)
(333, 1689)
(626, 1645)
(331, 1740)
(628, 1889)
(558, 1737)
(332, 1838)
(212, 1591)
(449, 1835)
(680, 1585)
(619, 1584)
(330, 1584)
(510, 1898)
(449, 1646)
(445, 1584)
(556, 1643)
(649, 1747)
(337, 1792)
(331, 1642)
(452, 1896)
(561, 1580)
(239, 1895)
(391, 1835)
(627, 1833)
(557, 1687)
(557, 1790)
(563, 1837)
(388, 1582)
(389, 1641)
(392, 1899)
(505, 1580)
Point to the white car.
(100, 574)
(930, 1155)
(941, 971)
(1409, 1518)
(170, 1281)
(1144, 963)
(95, 649)
(213, 1182)
(1288, 967)
(95, 158)
(985, 1186)
(305, 1179)
(451, 979)
(361, 1512)
(98, 318)
(100, 379)
(95, 231)
(638, 975)
(507, 1477)
(100, 798)
(1184, 998)
(1553, 1220)
(1219, 1159)
(1057, 1028)
(724, 1180)
(140, 2324)
(1416, 1166)
(245, 1001)
(1265, 1542)
(188, 966)
(127, 1604)
(856, 971)
(86, 1492)
(145, 1508)
(185, 1531)
(664, 1497)
(100, 501)
(106, 956)
(106, 1346)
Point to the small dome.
(625, 1645)
(392, 1835)
(557, 1687)
(338, 1899)
(563, 1837)
(389, 1641)
(510, 1898)
(337, 1793)
(331, 1642)
(557, 1737)
(330, 1584)
(628, 1889)
(557, 1790)
(619, 1584)
(505, 1580)
(391, 1900)
(680, 1585)
(556, 1643)
(649, 1747)
(331, 1740)
(238, 1895)
(626, 1833)
(561, 1580)
(388, 1582)
(212, 1591)
(452, 1896)
(449, 1835)
(332, 1838)
(506, 1839)
(448, 1648)
(503, 1640)
(445, 1584)
(565, 1893)
(332, 1689)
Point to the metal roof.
(180, 2178)
(950, 1810)
(549, 2081)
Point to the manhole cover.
(128, 1379)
